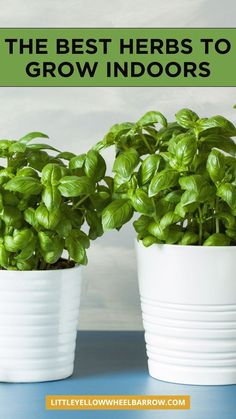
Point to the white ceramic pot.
(38, 323)
(188, 299)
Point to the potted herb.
(44, 202)
(180, 179)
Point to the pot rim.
(184, 246)
(39, 271)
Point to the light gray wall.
(76, 118)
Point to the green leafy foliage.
(24, 184)
(179, 176)
(216, 166)
(72, 186)
(186, 118)
(125, 163)
(149, 168)
(116, 214)
(163, 180)
(46, 201)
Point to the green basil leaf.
(125, 163)
(95, 224)
(38, 159)
(189, 238)
(165, 179)
(113, 136)
(199, 189)
(10, 246)
(155, 230)
(174, 234)
(216, 166)
(66, 155)
(163, 205)
(27, 252)
(51, 197)
(64, 228)
(230, 163)
(76, 249)
(192, 182)
(217, 239)
(181, 209)
(190, 197)
(141, 224)
(227, 219)
(109, 182)
(19, 240)
(116, 214)
(231, 233)
(186, 118)
(31, 136)
(149, 240)
(82, 237)
(94, 165)
(11, 216)
(51, 246)
(27, 265)
(169, 218)
(227, 192)
(5, 144)
(217, 121)
(173, 197)
(28, 172)
(76, 217)
(172, 130)
(51, 174)
(1, 202)
(100, 200)
(27, 201)
(24, 184)
(185, 150)
(73, 186)
(152, 117)
(29, 216)
(218, 141)
(149, 167)
(47, 219)
(41, 147)
(142, 203)
(17, 147)
(77, 162)
(121, 185)
(189, 202)
(6, 174)
(4, 257)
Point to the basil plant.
(45, 200)
(179, 177)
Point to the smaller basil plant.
(45, 201)
(179, 177)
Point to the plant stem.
(42, 265)
(81, 200)
(146, 142)
(217, 219)
(200, 226)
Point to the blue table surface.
(114, 363)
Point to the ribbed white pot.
(38, 323)
(188, 299)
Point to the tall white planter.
(188, 299)
(38, 322)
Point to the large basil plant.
(45, 200)
(179, 177)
